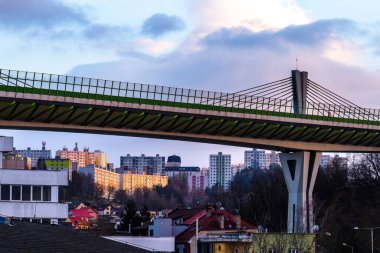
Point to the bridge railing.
(70, 86)
(80, 87)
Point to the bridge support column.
(300, 171)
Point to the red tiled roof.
(82, 212)
(210, 223)
(185, 213)
(78, 221)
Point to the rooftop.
(42, 238)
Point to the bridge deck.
(61, 103)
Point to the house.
(215, 231)
(106, 209)
(83, 218)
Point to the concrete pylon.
(299, 81)
(300, 171)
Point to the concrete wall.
(33, 177)
(34, 210)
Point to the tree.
(145, 214)
(98, 191)
(110, 192)
(121, 196)
(130, 218)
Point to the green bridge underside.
(181, 105)
(63, 113)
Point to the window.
(46, 193)
(26, 192)
(16, 192)
(37, 192)
(5, 192)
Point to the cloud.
(233, 59)
(160, 24)
(256, 15)
(103, 33)
(24, 14)
(309, 35)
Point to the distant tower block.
(6, 145)
(300, 171)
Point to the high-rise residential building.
(81, 158)
(130, 182)
(34, 154)
(143, 164)
(111, 166)
(260, 158)
(58, 163)
(220, 172)
(325, 160)
(197, 182)
(100, 159)
(101, 176)
(237, 168)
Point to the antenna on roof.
(296, 63)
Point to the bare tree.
(110, 192)
(260, 242)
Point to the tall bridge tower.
(300, 168)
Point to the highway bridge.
(294, 115)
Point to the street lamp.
(352, 248)
(357, 228)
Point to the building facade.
(101, 176)
(260, 158)
(34, 154)
(220, 172)
(17, 162)
(58, 163)
(100, 159)
(130, 182)
(181, 171)
(197, 182)
(81, 158)
(143, 164)
(32, 194)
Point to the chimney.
(179, 206)
(221, 220)
(238, 220)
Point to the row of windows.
(25, 192)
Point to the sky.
(219, 45)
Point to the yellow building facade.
(107, 178)
(130, 182)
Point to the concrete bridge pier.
(300, 171)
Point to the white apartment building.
(220, 172)
(150, 165)
(260, 158)
(31, 194)
(34, 154)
